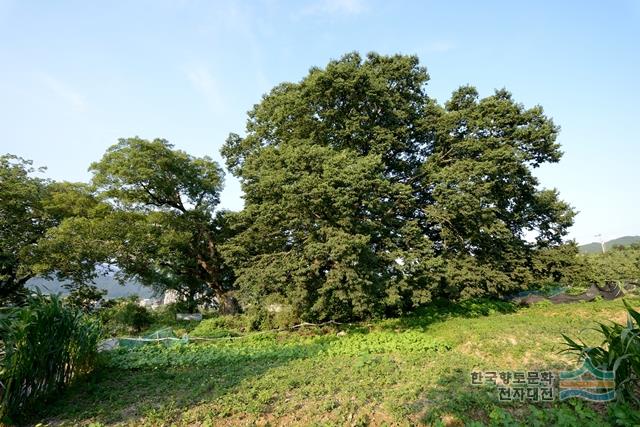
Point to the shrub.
(258, 318)
(125, 316)
(285, 318)
(619, 351)
(166, 314)
(46, 344)
(617, 264)
(213, 328)
(272, 314)
(231, 323)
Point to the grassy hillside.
(407, 371)
(595, 247)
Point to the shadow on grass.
(442, 310)
(162, 392)
(453, 398)
(158, 384)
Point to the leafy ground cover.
(406, 371)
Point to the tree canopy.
(156, 225)
(23, 220)
(363, 195)
(148, 214)
(30, 208)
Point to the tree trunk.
(228, 304)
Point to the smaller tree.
(31, 207)
(156, 222)
(22, 222)
(622, 263)
(561, 265)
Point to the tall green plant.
(619, 351)
(46, 345)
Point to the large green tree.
(364, 196)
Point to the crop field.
(407, 371)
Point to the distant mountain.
(114, 289)
(595, 247)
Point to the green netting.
(557, 291)
(161, 333)
(164, 336)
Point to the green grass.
(403, 371)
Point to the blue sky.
(77, 75)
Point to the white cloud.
(204, 82)
(335, 7)
(64, 92)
